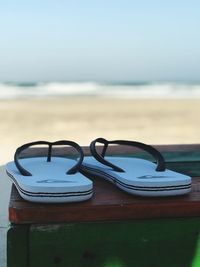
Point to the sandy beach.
(82, 119)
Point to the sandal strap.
(73, 170)
(100, 157)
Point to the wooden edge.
(110, 213)
(22, 212)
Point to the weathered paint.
(149, 243)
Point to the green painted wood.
(150, 243)
(17, 246)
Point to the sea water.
(154, 90)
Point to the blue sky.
(99, 40)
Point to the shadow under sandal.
(50, 179)
(134, 175)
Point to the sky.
(99, 40)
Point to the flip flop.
(50, 179)
(133, 175)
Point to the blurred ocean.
(154, 90)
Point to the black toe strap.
(73, 170)
(100, 157)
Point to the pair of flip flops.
(54, 179)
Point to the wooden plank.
(17, 246)
(109, 203)
(150, 243)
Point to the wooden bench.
(113, 229)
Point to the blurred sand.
(86, 118)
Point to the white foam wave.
(149, 91)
